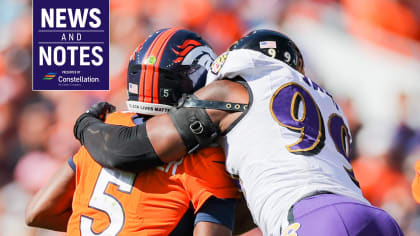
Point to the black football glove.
(100, 109)
(96, 113)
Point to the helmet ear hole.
(133, 70)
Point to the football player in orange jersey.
(192, 195)
(415, 185)
(284, 137)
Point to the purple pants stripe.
(336, 215)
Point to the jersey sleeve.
(77, 158)
(205, 176)
(218, 211)
(415, 186)
(71, 163)
(231, 64)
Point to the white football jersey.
(293, 141)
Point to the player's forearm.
(52, 222)
(51, 206)
(134, 148)
(120, 147)
(162, 138)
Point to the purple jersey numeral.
(340, 135)
(286, 103)
(293, 107)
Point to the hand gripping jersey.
(114, 202)
(293, 141)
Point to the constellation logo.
(49, 76)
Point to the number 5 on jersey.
(102, 201)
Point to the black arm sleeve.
(115, 146)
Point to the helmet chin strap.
(150, 109)
(191, 101)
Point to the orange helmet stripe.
(149, 81)
(144, 70)
(153, 56)
(156, 74)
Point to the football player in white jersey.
(285, 138)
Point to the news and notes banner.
(70, 45)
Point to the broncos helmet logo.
(202, 55)
(185, 48)
(192, 50)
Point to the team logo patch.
(291, 230)
(268, 44)
(217, 65)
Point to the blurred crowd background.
(365, 52)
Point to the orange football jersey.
(152, 202)
(415, 186)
